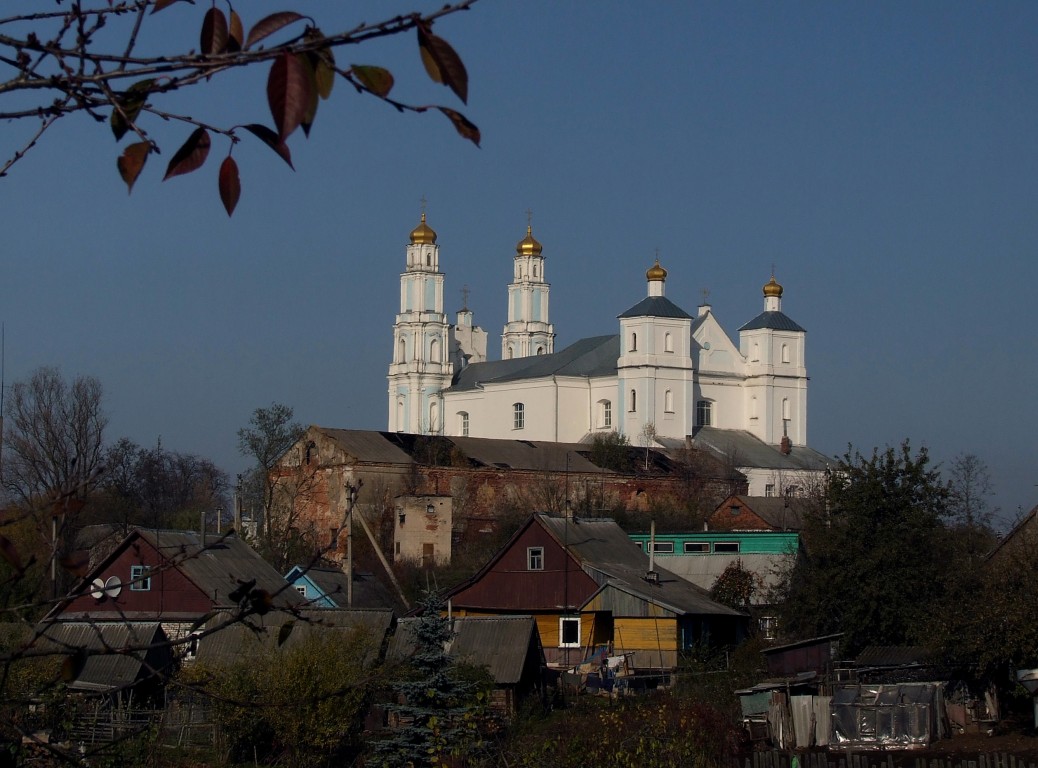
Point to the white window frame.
(518, 416)
(563, 620)
(696, 548)
(734, 551)
(705, 408)
(535, 558)
(663, 547)
(463, 418)
(140, 578)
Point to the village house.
(589, 587)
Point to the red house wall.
(745, 519)
(510, 586)
(171, 591)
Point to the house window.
(668, 343)
(664, 547)
(735, 509)
(463, 423)
(518, 416)
(535, 558)
(634, 401)
(140, 578)
(696, 547)
(634, 342)
(704, 413)
(769, 627)
(726, 547)
(769, 490)
(668, 402)
(569, 632)
(301, 589)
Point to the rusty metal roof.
(525, 454)
(366, 445)
(501, 644)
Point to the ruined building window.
(518, 416)
(569, 632)
(535, 558)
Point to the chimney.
(786, 446)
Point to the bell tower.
(528, 331)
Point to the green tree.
(875, 560)
(611, 450)
(736, 587)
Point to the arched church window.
(535, 270)
(755, 354)
(428, 259)
(668, 402)
(511, 352)
(704, 413)
(785, 409)
(463, 423)
(400, 423)
(434, 416)
(605, 414)
(634, 401)
(518, 416)
(540, 350)
(634, 342)
(668, 343)
(753, 408)
(434, 351)
(402, 353)
(785, 353)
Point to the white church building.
(662, 376)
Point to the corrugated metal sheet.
(118, 655)
(703, 569)
(499, 643)
(225, 639)
(221, 566)
(590, 357)
(367, 446)
(525, 454)
(751, 451)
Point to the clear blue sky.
(881, 155)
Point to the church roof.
(775, 321)
(656, 306)
(752, 452)
(593, 356)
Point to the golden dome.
(772, 289)
(528, 246)
(423, 234)
(656, 272)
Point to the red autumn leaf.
(442, 63)
(214, 32)
(268, 25)
(268, 137)
(190, 156)
(376, 79)
(230, 184)
(160, 4)
(462, 125)
(131, 163)
(289, 89)
(236, 34)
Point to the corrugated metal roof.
(499, 643)
(225, 638)
(118, 654)
(365, 445)
(775, 321)
(525, 454)
(221, 566)
(656, 306)
(368, 591)
(591, 357)
(608, 555)
(750, 451)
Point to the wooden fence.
(905, 759)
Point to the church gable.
(712, 349)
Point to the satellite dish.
(113, 586)
(97, 589)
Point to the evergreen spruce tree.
(438, 708)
